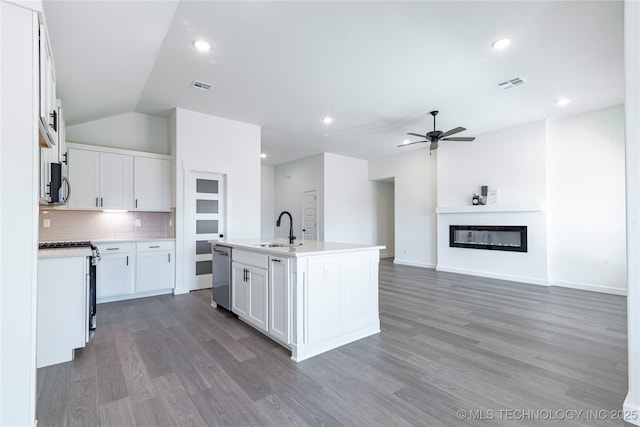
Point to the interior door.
(206, 221)
(310, 215)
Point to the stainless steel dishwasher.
(221, 286)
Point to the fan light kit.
(202, 45)
(501, 43)
(562, 102)
(435, 136)
(327, 120)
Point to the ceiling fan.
(435, 136)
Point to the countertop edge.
(286, 251)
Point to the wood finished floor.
(449, 343)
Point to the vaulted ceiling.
(377, 68)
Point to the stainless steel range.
(93, 260)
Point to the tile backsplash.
(98, 225)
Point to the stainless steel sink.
(272, 245)
(277, 245)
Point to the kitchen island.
(310, 297)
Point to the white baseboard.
(631, 412)
(489, 274)
(414, 264)
(589, 287)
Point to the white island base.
(310, 297)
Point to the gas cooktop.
(64, 245)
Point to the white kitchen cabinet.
(154, 266)
(239, 290)
(250, 288)
(152, 184)
(115, 271)
(279, 299)
(258, 298)
(100, 180)
(63, 301)
(48, 104)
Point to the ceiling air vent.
(508, 84)
(197, 84)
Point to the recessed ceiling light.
(327, 120)
(263, 155)
(562, 102)
(405, 141)
(501, 43)
(202, 45)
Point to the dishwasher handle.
(220, 253)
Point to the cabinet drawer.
(251, 258)
(114, 248)
(163, 245)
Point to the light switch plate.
(138, 223)
(46, 223)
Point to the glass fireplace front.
(493, 237)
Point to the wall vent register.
(511, 238)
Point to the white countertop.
(64, 252)
(298, 249)
(133, 240)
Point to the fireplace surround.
(512, 238)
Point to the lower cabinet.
(114, 271)
(63, 301)
(261, 293)
(249, 295)
(154, 266)
(132, 270)
(280, 299)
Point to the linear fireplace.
(494, 237)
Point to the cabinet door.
(279, 300)
(114, 275)
(83, 179)
(151, 184)
(116, 181)
(239, 290)
(48, 110)
(258, 298)
(154, 271)
(62, 322)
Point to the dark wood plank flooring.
(504, 353)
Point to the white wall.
(349, 200)
(586, 201)
(291, 179)
(512, 160)
(131, 131)
(213, 144)
(267, 202)
(18, 216)
(632, 134)
(384, 233)
(414, 173)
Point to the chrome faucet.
(291, 236)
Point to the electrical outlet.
(46, 223)
(138, 223)
(170, 222)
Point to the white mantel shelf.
(497, 208)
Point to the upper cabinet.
(104, 178)
(49, 123)
(100, 180)
(152, 184)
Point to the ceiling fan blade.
(434, 146)
(411, 143)
(460, 138)
(452, 131)
(417, 134)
